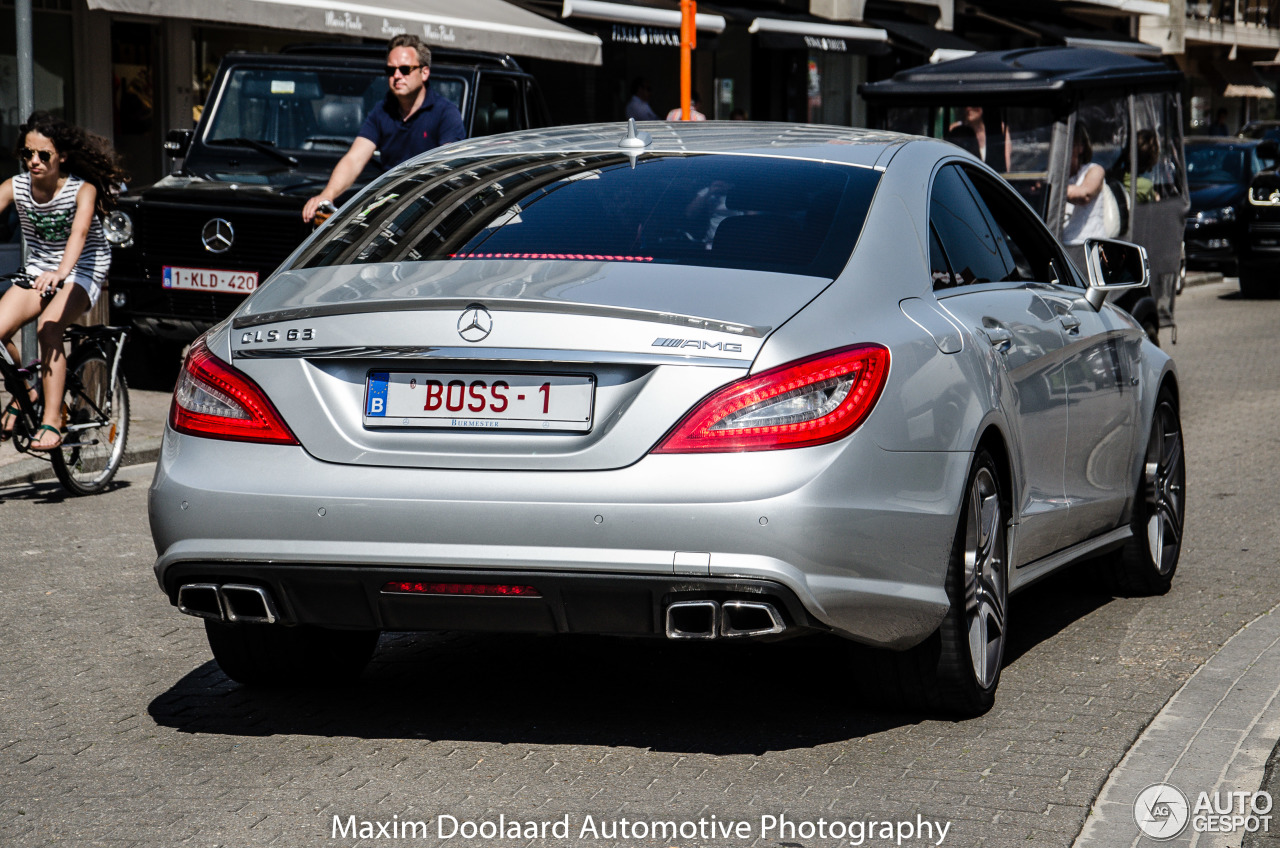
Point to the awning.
(627, 13)
(792, 33)
(491, 25)
(937, 45)
(1239, 79)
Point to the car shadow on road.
(709, 698)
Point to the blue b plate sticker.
(376, 400)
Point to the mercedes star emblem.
(475, 324)
(217, 235)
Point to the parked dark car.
(192, 246)
(1219, 171)
(1260, 252)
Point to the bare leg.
(68, 304)
(17, 307)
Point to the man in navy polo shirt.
(411, 120)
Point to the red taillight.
(808, 402)
(216, 401)
(492, 590)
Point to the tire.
(96, 414)
(273, 655)
(1147, 562)
(1253, 282)
(957, 670)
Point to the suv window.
(716, 210)
(294, 108)
(961, 222)
(497, 105)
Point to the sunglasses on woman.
(26, 153)
(404, 70)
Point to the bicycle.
(95, 405)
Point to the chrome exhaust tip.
(250, 604)
(749, 618)
(692, 620)
(201, 600)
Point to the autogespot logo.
(1161, 811)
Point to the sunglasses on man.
(404, 70)
(26, 153)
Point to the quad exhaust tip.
(713, 620)
(233, 602)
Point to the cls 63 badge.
(304, 334)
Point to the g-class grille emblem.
(475, 323)
(218, 235)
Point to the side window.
(961, 225)
(1030, 247)
(539, 115)
(939, 270)
(497, 105)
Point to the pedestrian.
(68, 179)
(677, 113)
(1219, 125)
(638, 106)
(412, 119)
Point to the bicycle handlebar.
(22, 279)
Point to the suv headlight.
(118, 229)
(1216, 216)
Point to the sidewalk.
(148, 411)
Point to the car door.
(977, 281)
(1098, 359)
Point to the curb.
(1203, 278)
(27, 471)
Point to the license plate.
(479, 401)
(210, 280)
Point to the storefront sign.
(438, 34)
(826, 45)
(645, 35)
(344, 21)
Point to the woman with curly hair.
(68, 178)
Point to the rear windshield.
(749, 212)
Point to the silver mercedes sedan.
(689, 381)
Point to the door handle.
(1070, 322)
(1000, 338)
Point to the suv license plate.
(479, 401)
(210, 280)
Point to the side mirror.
(1114, 265)
(178, 142)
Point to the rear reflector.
(495, 590)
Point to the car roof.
(815, 142)
(1004, 74)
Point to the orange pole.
(688, 41)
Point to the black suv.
(190, 247)
(1260, 252)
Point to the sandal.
(9, 416)
(46, 448)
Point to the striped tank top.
(47, 226)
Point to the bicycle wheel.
(97, 425)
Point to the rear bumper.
(354, 597)
(859, 547)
